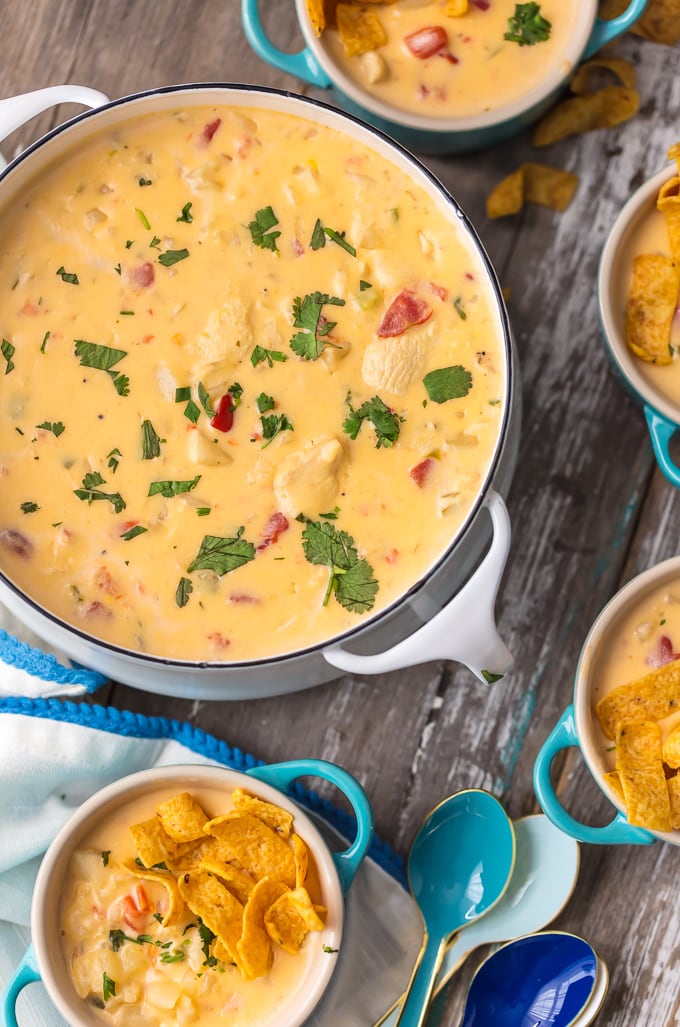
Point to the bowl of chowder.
(625, 716)
(258, 399)
(639, 304)
(188, 895)
(442, 76)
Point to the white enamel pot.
(448, 613)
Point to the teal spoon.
(459, 866)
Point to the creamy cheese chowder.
(133, 970)
(462, 66)
(650, 235)
(252, 378)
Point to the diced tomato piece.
(405, 310)
(298, 248)
(143, 275)
(30, 308)
(242, 597)
(133, 916)
(421, 472)
(427, 42)
(275, 526)
(218, 640)
(16, 542)
(224, 415)
(664, 653)
(97, 610)
(210, 129)
(104, 581)
(393, 556)
(483, 5)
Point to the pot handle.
(618, 832)
(303, 65)
(662, 431)
(281, 776)
(464, 630)
(17, 110)
(604, 31)
(26, 973)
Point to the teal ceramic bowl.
(662, 415)
(315, 66)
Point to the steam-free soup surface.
(253, 381)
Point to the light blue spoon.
(460, 863)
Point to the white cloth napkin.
(54, 754)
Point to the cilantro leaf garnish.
(173, 957)
(172, 488)
(385, 421)
(67, 276)
(261, 354)
(204, 397)
(265, 402)
(222, 555)
(320, 234)
(364, 285)
(527, 26)
(318, 240)
(236, 393)
(108, 987)
(203, 511)
(90, 493)
(192, 411)
(155, 244)
(8, 351)
(448, 383)
(29, 507)
(143, 218)
(56, 427)
(459, 308)
(183, 591)
(103, 358)
(207, 938)
(259, 229)
(310, 342)
(186, 214)
(133, 532)
(491, 677)
(273, 425)
(339, 238)
(171, 257)
(182, 393)
(113, 459)
(118, 938)
(151, 442)
(351, 580)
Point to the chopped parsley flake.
(527, 26)
(273, 425)
(318, 240)
(265, 219)
(155, 243)
(319, 235)
(207, 938)
(105, 856)
(222, 555)
(44, 342)
(327, 948)
(172, 488)
(29, 507)
(113, 459)
(204, 397)
(236, 393)
(351, 580)
(363, 285)
(67, 276)
(171, 257)
(490, 677)
(108, 987)
(103, 358)
(151, 442)
(118, 269)
(129, 243)
(339, 238)
(186, 214)
(173, 957)
(260, 354)
(385, 421)
(192, 411)
(56, 427)
(460, 310)
(182, 394)
(448, 383)
(310, 342)
(90, 493)
(144, 181)
(133, 532)
(203, 511)
(8, 351)
(265, 402)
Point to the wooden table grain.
(589, 507)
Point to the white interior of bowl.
(638, 207)
(45, 152)
(48, 887)
(504, 112)
(591, 738)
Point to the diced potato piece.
(307, 480)
(373, 67)
(228, 334)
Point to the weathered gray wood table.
(589, 508)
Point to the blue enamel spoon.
(459, 866)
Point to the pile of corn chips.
(660, 22)
(654, 287)
(243, 873)
(646, 778)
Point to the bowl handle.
(604, 31)
(662, 431)
(26, 973)
(281, 775)
(17, 110)
(304, 64)
(464, 630)
(618, 832)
